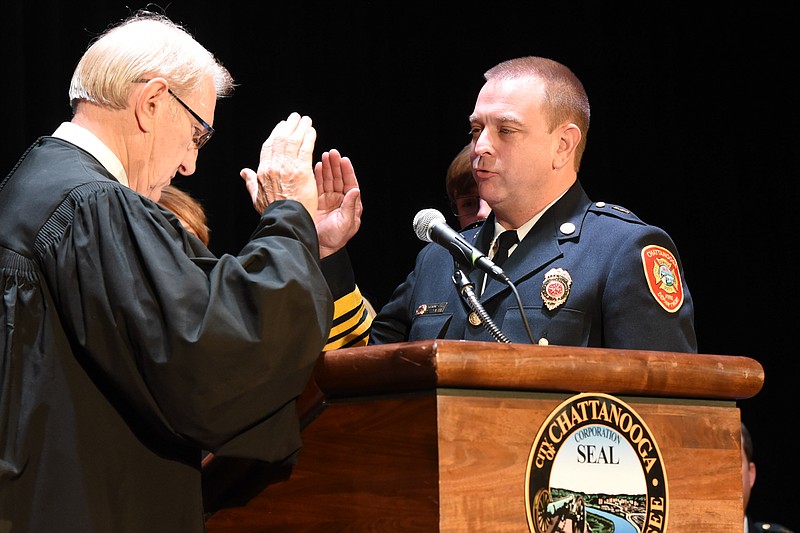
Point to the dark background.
(694, 128)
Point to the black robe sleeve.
(209, 350)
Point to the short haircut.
(565, 98)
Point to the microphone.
(431, 226)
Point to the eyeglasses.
(200, 138)
(464, 206)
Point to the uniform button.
(567, 228)
(544, 342)
(600, 204)
(474, 319)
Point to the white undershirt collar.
(83, 138)
(523, 230)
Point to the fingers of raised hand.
(285, 162)
(348, 174)
(306, 152)
(297, 129)
(323, 171)
(330, 170)
(256, 193)
(286, 137)
(336, 169)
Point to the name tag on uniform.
(431, 309)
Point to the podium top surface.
(421, 365)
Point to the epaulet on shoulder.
(614, 210)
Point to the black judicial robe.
(127, 348)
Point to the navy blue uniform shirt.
(588, 274)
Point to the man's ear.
(567, 143)
(148, 102)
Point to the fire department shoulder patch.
(663, 277)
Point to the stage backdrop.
(694, 128)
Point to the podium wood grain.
(485, 442)
(435, 436)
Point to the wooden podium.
(435, 436)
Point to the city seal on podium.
(593, 467)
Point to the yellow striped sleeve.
(351, 322)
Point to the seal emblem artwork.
(595, 466)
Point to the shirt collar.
(83, 138)
(526, 227)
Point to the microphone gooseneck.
(466, 289)
(431, 226)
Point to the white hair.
(141, 47)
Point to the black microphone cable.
(431, 226)
(467, 290)
(521, 311)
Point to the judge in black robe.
(127, 348)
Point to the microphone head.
(424, 221)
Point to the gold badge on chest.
(555, 287)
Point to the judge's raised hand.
(339, 208)
(285, 170)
